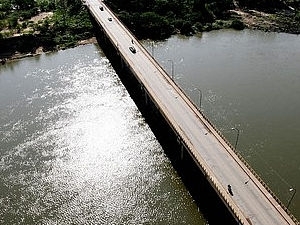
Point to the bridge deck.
(251, 202)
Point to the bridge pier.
(181, 152)
(122, 63)
(146, 98)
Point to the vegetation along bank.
(33, 26)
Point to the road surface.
(247, 198)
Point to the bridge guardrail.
(189, 101)
(206, 119)
(211, 127)
(237, 154)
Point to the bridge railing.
(223, 138)
(250, 168)
(212, 128)
(241, 158)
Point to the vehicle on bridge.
(132, 49)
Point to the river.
(250, 81)
(76, 150)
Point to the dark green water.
(250, 80)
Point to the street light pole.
(294, 192)
(152, 48)
(237, 136)
(172, 68)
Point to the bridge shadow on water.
(207, 200)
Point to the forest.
(69, 20)
(161, 18)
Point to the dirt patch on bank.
(280, 21)
(41, 16)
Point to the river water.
(250, 81)
(76, 150)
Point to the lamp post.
(152, 48)
(200, 97)
(293, 195)
(172, 68)
(237, 136)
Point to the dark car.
(101, 8)
(132, 49)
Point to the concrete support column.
(181, 151)
(122, 63)
(146, 98)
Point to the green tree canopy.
(23, 4)
(152, 25)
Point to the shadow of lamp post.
(200, 98)
(293, 195)
(237, 136)
(172, 68)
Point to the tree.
(46, 5)
(13, 22)
(153, 25)
(262, 4)
(5, 5)
(24, 4)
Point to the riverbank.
(41, 50)
(284, 21)
(40, 26)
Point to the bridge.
(246, 196)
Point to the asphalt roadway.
(247, 197)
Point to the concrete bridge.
(242, 191)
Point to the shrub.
(198, 26)
(152, 25)
(27, 14)
(187, 29)
(3, 24)
(46, 5)
(24, 25)
(297, 16)
(237, 25)
(2, 15)
(12, 22)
